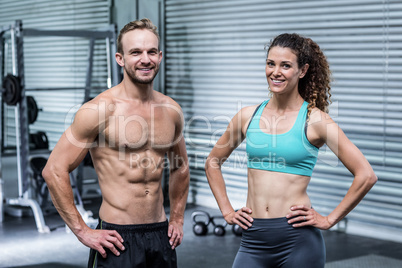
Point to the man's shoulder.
(102, 101)
(170, 107)
(96, 110)
(164, 99)
(105, 96)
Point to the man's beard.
(135, 79)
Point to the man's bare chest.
(138, 131)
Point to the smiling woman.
(304, 54)
(282, 70)
(291, 126)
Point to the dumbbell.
(200, 227)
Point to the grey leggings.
(275, 243)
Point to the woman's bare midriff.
(272, 194)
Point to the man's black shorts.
(146, 246)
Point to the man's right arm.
(65, 157)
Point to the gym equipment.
(12, 89)
(200, 227)
(37, 164)
(219, 229)
(237, 230)
(13, 94)
(38, 140)
(42, 192)
(33, 110)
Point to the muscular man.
(128, 129)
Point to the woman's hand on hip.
(240, 217)
(301, 215)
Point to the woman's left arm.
(323, 129)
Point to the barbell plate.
(33, 110)
(11, 89)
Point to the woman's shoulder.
(246, 115)
(248, 111)
(318, 115)
(320, 121)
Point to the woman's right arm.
(230, 140)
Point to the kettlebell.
(200, 227)
(237, 230)
(219, 229)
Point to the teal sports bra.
(289, 152)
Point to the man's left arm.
(179, 182)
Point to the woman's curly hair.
(314, 87)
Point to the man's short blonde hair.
(134, 25)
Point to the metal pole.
(16, 113)
(115, 68)
(89, 69)
(109, 67)
(23, 110)
(18, 147)
(1, 134)
(13, 53)
(5, 67)
(5, 58)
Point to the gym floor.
(22, 246)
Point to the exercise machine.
(14, 95)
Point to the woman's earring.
(269, 92)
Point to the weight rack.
(17, 33)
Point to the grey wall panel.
(57, 61)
